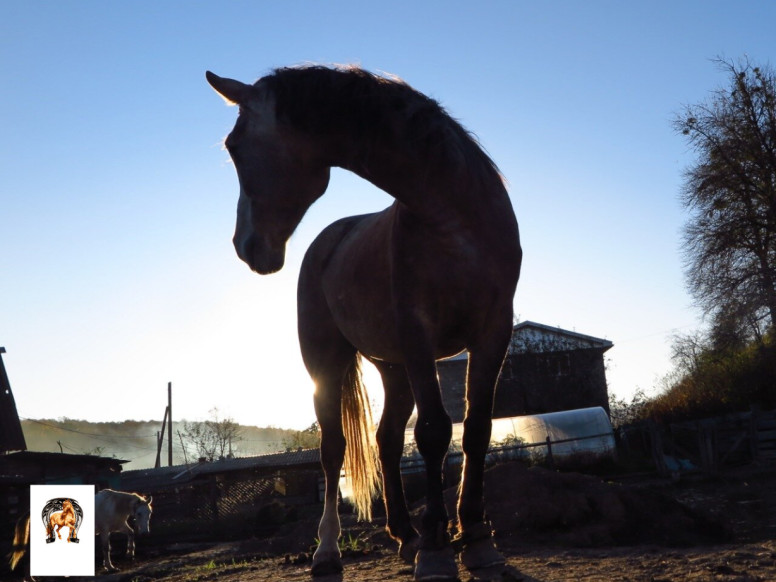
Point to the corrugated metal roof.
(564, 340)
(12, 463)
(525, 326)
(183, 473)
(45, 457)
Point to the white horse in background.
(112, 510)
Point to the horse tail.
(21, 537)
(361, 459)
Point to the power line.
(91, 434)
(266, 441)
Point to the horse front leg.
(390, 439)
(327, 557)
(475, 532)
(435, 559)
(130, 543)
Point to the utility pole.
(183, 448)
(160, 440)
(169, 426)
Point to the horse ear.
(231, 90)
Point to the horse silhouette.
(428, 277)
(112, 509)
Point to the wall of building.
(534, 383)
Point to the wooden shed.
(547, 369)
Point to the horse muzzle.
(259, 255)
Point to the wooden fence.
(229, 505)
(709, 444)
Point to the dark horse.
(432, 275)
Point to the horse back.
(111, 509)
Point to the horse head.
(142, 515)
(280, 172)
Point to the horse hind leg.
(105, 541)
(330, 359)
(328, 370)
(327, 557)
(390, 439)
(343, 414)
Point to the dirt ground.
(551, 526)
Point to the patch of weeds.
(352, 544)
(213, 569)
(349, 545)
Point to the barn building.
(547, 369)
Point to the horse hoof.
(481, 553)
(408, 550)
(326, 563)
(436, 565)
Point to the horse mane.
(129, 496)
(372, 109)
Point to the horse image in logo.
(59, 513)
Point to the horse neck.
(425, 187)
(123, 501)
(130, 502)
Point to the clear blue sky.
(117, 201)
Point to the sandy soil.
(552, 527)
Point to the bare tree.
(213, 438)
(730, 238)
(687, 350)
(622, 412)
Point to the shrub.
(722, 381)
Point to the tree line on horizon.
(136, 441)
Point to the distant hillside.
(135, 441)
